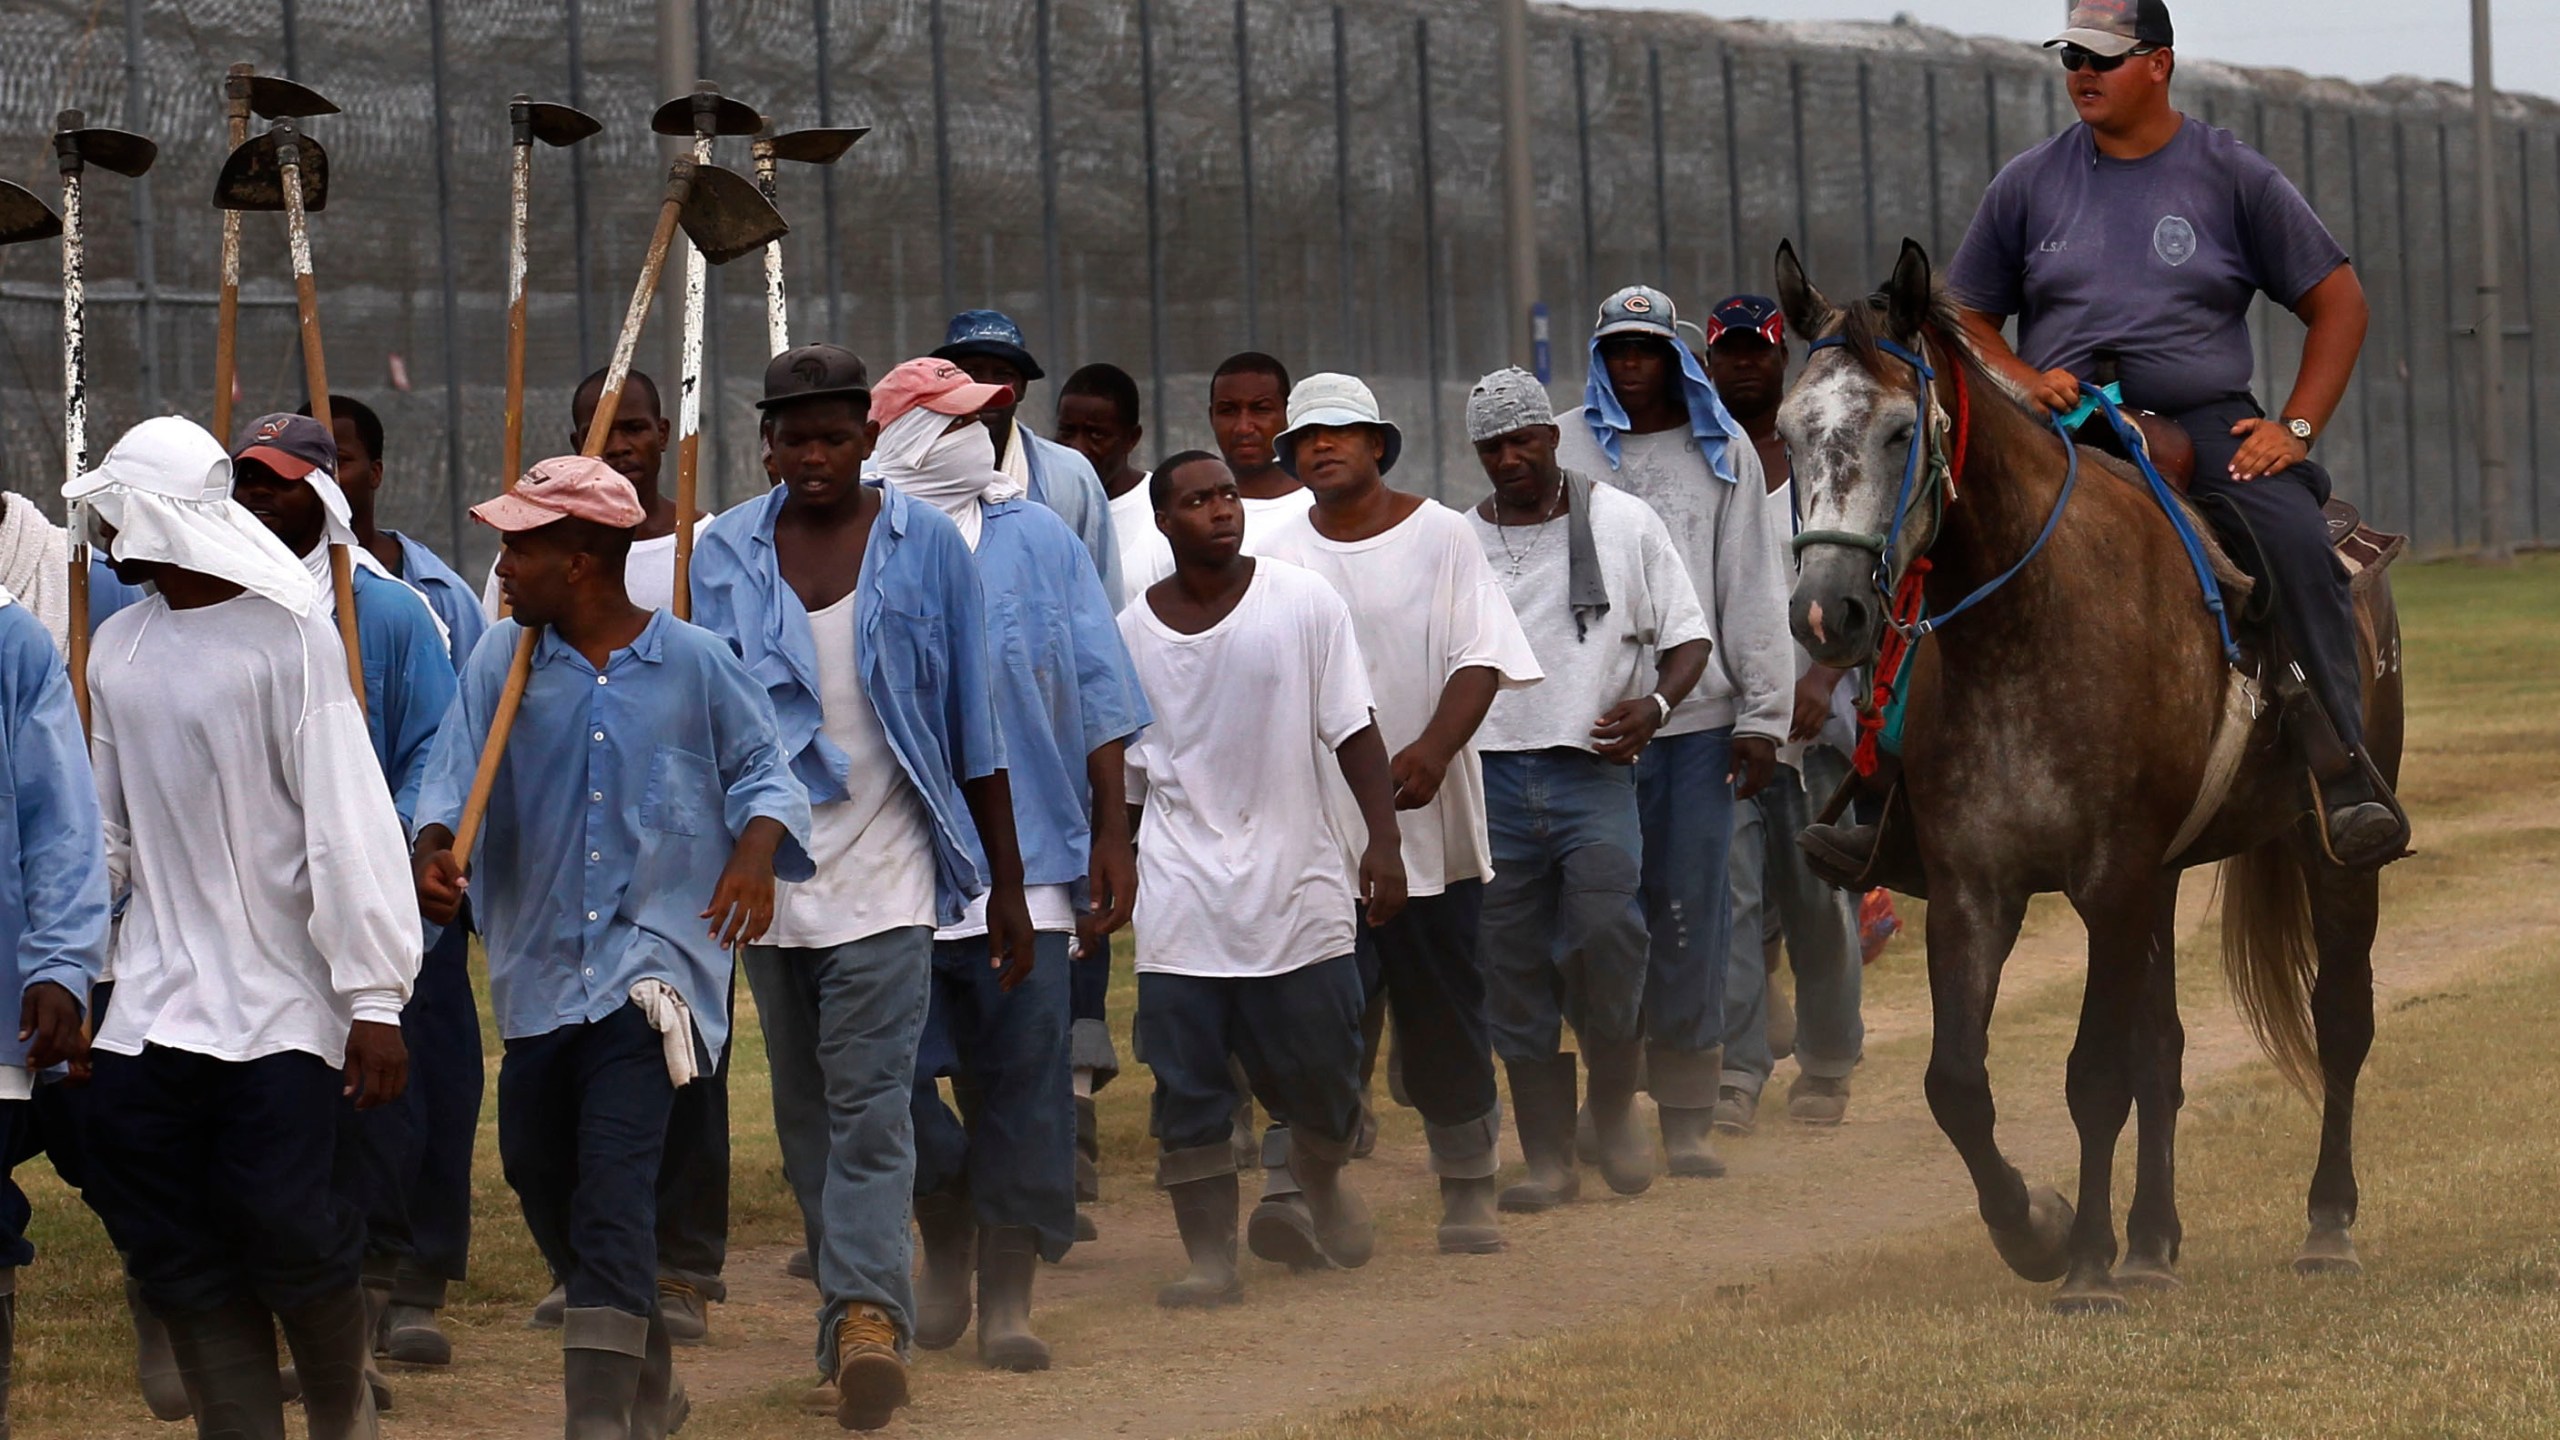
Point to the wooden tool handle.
(475, 807)
(79, 635)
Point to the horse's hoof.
(2098, 1298)
(2040, 1252)
(2328, 1252)
(2147, 1272)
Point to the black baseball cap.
(291, 445)
(2117, 27)
(1746, 315)
(815, 372)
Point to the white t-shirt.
(1145, 558)
(1262, 519)
(272, 904)
(1243, 869)
(649, 576)
(1652, 607)
(874, 848)
(1425, 606)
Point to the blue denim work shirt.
(1064, 683)
(1063, 480)
(920, 645)
(408, 682)
(453, 599)
(614, 812)
(53, 911)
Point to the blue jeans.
(1089, 1044)
(1424, 962)
(693, 1175)
(1012, 1149)
(1775, 890)
(1297, 1036)
(1563, 939)
(1684, 791)
(840, 1032)
(582, 1125)
(214, 1176)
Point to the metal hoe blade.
(23, 217)
(275, 98)
(252, 179)
(121, 151)
(815, 147)
(559, 126)
(726, 217)
(727, 116)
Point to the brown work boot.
(688, 1313)
(1737, 1110)
(1818, 1099)
(871, 1377)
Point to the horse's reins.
(1928, 477)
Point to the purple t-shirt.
(2156, 258)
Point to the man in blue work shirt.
(359, 472)
(858, 608)
(284, 475)
(53, 913)
(642, 763)
(988, 345)
(1001, 1186)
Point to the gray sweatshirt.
(1721, 530)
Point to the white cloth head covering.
(166, 490)
(954, 471)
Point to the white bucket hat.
(1333, 400)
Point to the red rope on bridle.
(1908, 600)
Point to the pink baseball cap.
(564, 487)
(937, 385)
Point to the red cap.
(937, 385)
(561, 488)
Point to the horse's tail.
(2269, 958)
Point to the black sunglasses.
(2075, 59)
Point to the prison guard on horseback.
(2129, 247)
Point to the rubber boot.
(1205, 1212)
(1008, 1258)
(228, 1359)
(377, 1306)
(1343, 1232)
(332, 1340)
(658, 1404)
(1542, 1115)
(1282, 1230)
(1688, 1138)
(163, 1390)
(1626, 1152)
(950, 1237)
(8, 1338)
(603, 1353)
(549, 1310)
(1088, 1168)
(1468, 1225)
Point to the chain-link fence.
(1100, 172)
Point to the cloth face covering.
(954, 471)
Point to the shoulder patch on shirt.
(2174, 240)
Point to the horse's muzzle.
(1834, 611)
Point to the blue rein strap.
(2179, 520)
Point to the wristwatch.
(2300, 429)
(1656, 698)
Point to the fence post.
(578, 205)
(821, 28)
(2452, 366)
(1937, 211)
(2355, 237)
(1155, 228)
(1732, 168)
(1866, 163)
(137, 105)
(1342, 188)
(1430, 247)
(1244, 156)
(2408, 319)
(1049, 302)
(1582, 153)
(1661, 177)
(444, 264)
(1795, 130)
(942, 168)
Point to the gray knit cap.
(1506, 400)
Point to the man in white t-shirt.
(693, 1182)
(1248, 906)
(1098, 419)
(1438, 639)
(1248, 406)
(1774, 888)
(1600, 590)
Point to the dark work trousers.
(21, 1139)
(1088, 1024)
(2315, 604)
(1012, 1148)
(582, 1126)
(1297, 1035)
(214, 1176)
(408, 1164)
(1424, 961)
(693, 1180)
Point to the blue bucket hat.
(991, 333)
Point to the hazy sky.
(2356, 39)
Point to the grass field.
(1897, 1329)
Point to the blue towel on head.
(1709, 421)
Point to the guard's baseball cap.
(1747, 314)
(816, 372)
(291, 445)
(564, 487)
(1638, 310)
(2116, 27)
